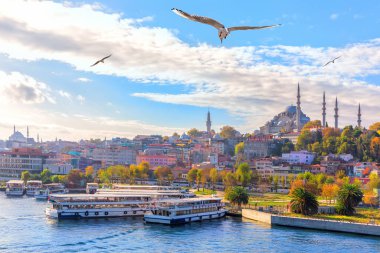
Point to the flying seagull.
(101, 60)
(223, 32)
(332, 61)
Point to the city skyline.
(161, 63)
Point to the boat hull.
(93, 214)
(168, 220)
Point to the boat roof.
(118, 195)
(143, 186)
(15, 182)
(34, 181)
(187, 200)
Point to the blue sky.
(166, 71)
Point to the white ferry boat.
(32, 186)
(179, 211)
(48, 189)
(15, 188)
(76, 206)
(91, 188)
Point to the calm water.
(24, 228)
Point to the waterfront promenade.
(310, 223)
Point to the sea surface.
(24, 228)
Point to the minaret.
(27, 132)
(298, 113)
(208, 122)
(336, 116)
(38, 138)
(359, 117)
(324, 111)
(14, 128)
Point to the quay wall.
(329, 225)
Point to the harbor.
(29, 230)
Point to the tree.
(239, 152)
(213, 177)
(229, 180)
(375, 126)
(237, 195)
(89, 171)
(304, 202)
(193, 133)
(307, 185)
(75, 179)
(205, 176)
(25, 176)
(374, 182)
(375, 148)
(45, 176)
(244, 174)
(275, 183)
(163, 173)
(349, 196)
(192, 176)
(287, 146)
(330, 191)
(199, 178)
(228, 132)
(370, 198)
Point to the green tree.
(25, 176)
(229, 180)
(192, 176)
(239, 152)
(349, 196)
(244, 174)
(303, 201)
(237, 195)
(45, 176)
(287, 146)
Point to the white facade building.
(57, 166)
(299, 157)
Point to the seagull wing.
(204, 20)
(327, 63)
(94, 63)
(240, 28)
(337, 58)
(106, 57)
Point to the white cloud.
(334, 16)
(245, 81)
(19, 88)
(65, 94)
(81, 99)
(84, 80)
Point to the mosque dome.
(17, 136)
(291, 109)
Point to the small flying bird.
(332, 61)
(223, 32)
(101, 60)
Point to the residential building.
(13, 163)
(299, 157)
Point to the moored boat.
(15, 188)
(179, 211)
(32, 186)
(91, 188)
(48, 189)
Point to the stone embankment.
(309, 223)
